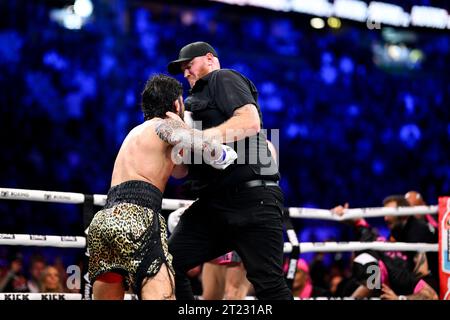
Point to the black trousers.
(248, 221)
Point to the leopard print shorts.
(128, 239)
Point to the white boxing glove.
(228, 156)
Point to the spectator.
(14, 279)
(50, 280)
(37, 267)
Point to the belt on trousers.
(256, 183)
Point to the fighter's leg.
(236, 282)
(159, 287)
(213, 281)
(108, 286)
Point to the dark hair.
(398, 199)
(159, 95)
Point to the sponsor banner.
(38, 237)
(7, 236)
(39, 296)
(69, 239)
(444, 247)
(14, 194)
(56, 197)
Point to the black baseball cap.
(189, 52)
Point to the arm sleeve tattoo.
(174, 132)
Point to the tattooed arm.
(421, 264)
(425, 293)
(176, 132)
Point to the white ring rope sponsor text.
(173, 204)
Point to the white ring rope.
(358, 246)
(173, 204)
(309, 213)
(42, 240)
(80, 242)
(75, 198)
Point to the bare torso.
(143, 156)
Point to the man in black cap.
(239, 208)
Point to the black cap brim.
(174, 67)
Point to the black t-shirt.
(414, 231)
(212, 101)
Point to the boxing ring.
(292, 247)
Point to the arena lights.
(73, 17)
(317, 23)
(373, 13)
(334, 22)
(399, 56)
(83, 8)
